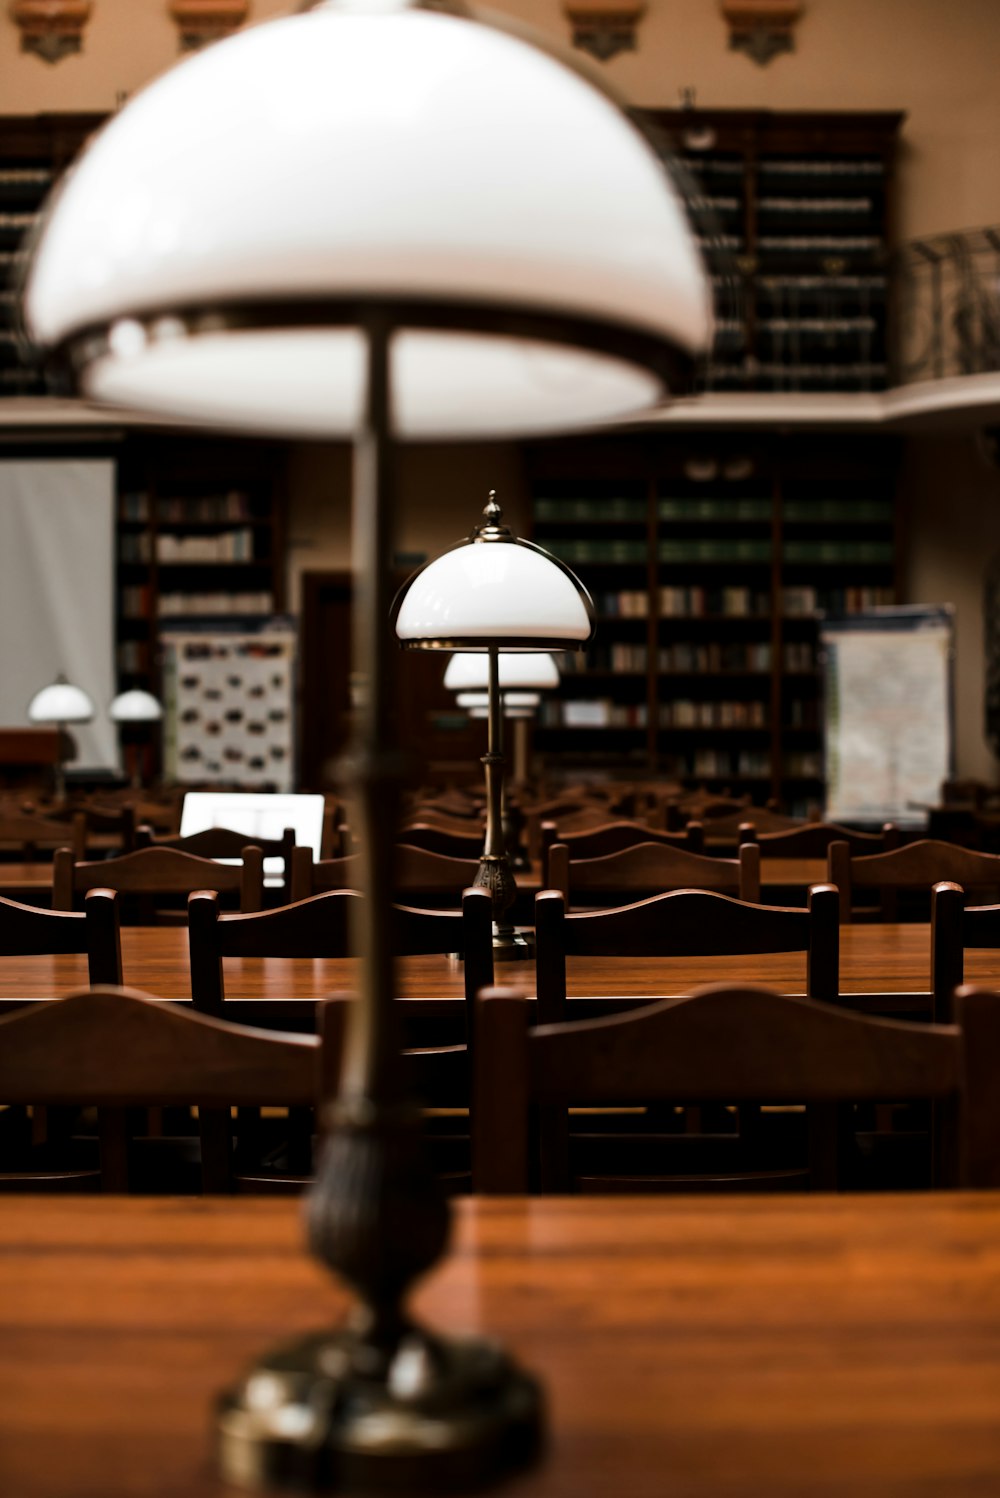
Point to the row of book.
(134, 656)
(576, 550)
(197, 509)
(627, 603)
(714, 509)
(714, 657)
(716, 763)
(777, 166)
(618, 657)
(804, 765)
(224, 546)
(180, 605)
(803, 601)
(697, 602)
(684, 713)
(867, 511)
(798, 655)
(852, 550)
(803, 713)
(701, 549)
(592, 712)
(610, 507)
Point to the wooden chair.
(224, 842)
(918, 866)
(956, 928)
(614, 837)
(812, 840)
(688, 923)
(449, 844)
(155, 872)
(731, 1044)
(320, 927)
(116, 1047)
(685, 923)
(28, 834)
(651, 868)
(28, 931)
(422, 878)
(731, 828)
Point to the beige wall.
(936, 61)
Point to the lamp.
(498, 595)
(376, 221)
(129, 708)
(61, 703)
(512, 702)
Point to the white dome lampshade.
(61, 703)
(536, 258)
(494, 590)
(135, 706)
(469, 672)
(508, 712)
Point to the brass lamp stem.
(380, 1403)
(494, 872)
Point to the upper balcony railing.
(946, 307)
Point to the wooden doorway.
(448, 744)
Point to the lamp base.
(325, 1414)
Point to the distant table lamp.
(61, 704)
(376, 221)
(536, 672)
(134, 711)
(498, 597)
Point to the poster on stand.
(228, 705)
(888, 713)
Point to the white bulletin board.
(888, 713)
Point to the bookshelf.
(34, 150)
(200, 542)
(795, 211)
(711, 560)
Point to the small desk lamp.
(500, 597)
(61, 703)
(130, 708)
(373, 220)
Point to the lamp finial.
(492, 528)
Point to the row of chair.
(777, 1048)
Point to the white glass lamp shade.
(468, 671)
(135, 706)
(209, 256)
(509, 594)
(512, 701)
(61, 703)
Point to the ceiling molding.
(51, 29)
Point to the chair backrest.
(321, 927)
(26, 931)
(812, 839)
(116, 1047)
(226, 842)
(919, 865)
(685, 923)
(28, 834)
(614, 837)
(159, 871)
(955, 928)
(732, 1044)
(650, 868)
(311, 876)
(450, 844)
(727, 828)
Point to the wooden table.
(691, 1347)
(890, 961)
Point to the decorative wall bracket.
(51, 29)
(204, 21)
(761, 28)
(604, 27)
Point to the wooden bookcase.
(710, 559)
(795, 214)
(200, 540)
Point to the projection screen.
(57, 552)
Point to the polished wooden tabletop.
(882, 959)
(690, 1347)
